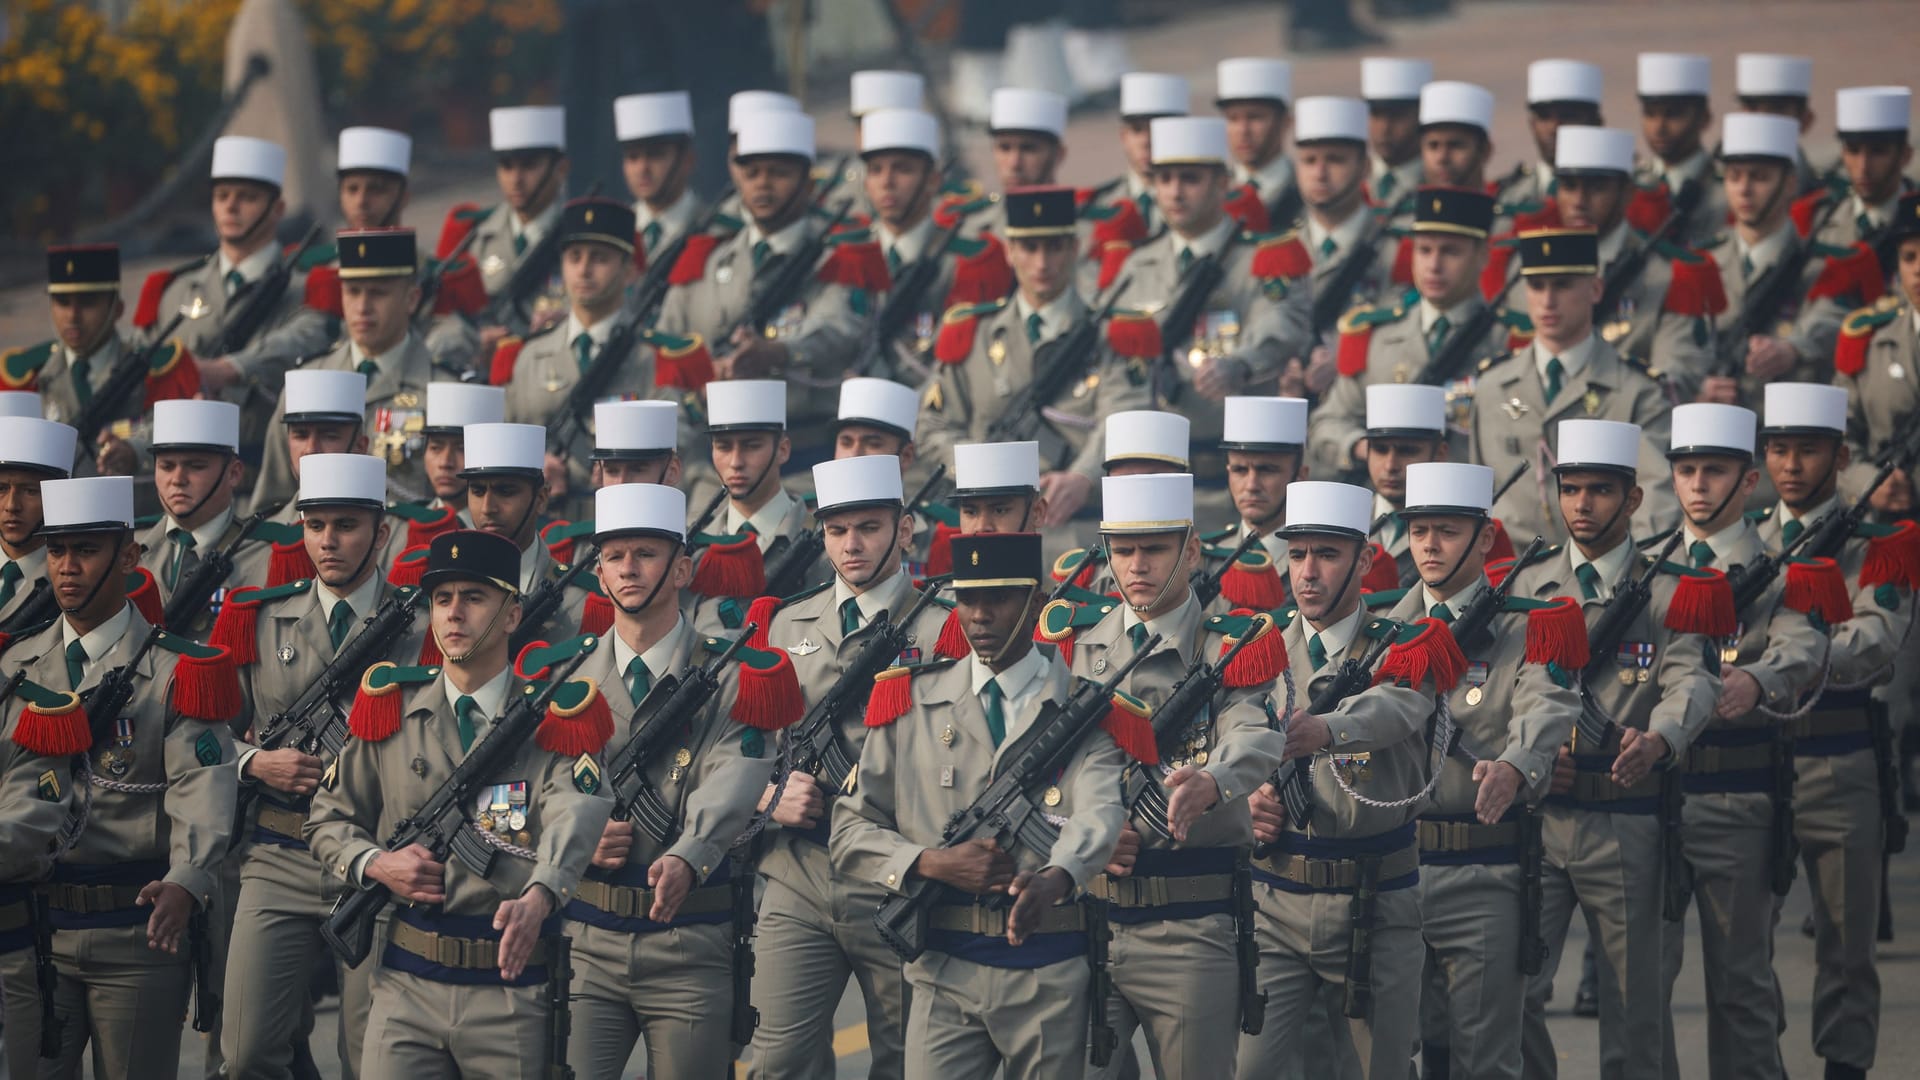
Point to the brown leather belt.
(1706, 760)
(1599, 787)
(470, 954)
(1852, 721)
(281, 821)
(14, 916)
(91, 899)
(1335, 873)
(1457, 836)
(992, 922)
(1152, 892)
(628, 902)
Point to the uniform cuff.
(353, 867)
(1536, 770)
(240, 763)
(702, 857)
(558, 883)
(198, 883)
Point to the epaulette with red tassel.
(691, 266)
(53, 724)
(172, 374)
(234, 630)
(760, 615)
(1253, 581)
(891, 696)
(1356, 331)
(146, 313)
(1401, 273)
(957, 329)
(1061, 620)
(322, 292)
(683, 363)
(857, 264)
(409, 566)
(1556, 633)
(289, 563)
(1696, 289)
(1806, 208)
(1129, 722)
(1265, 656)
(1502, 543)
(561, 536)
(596, 613)
(505, 356)
(1649, 208)
(1077, 563)
(462, 290)
(1384, 575)
(1856, 335)
(729, 566)
(1893, 556)
(982, 275)
(1702, 603)
(1547, 217)
(1113, 257)
(460, 221)
(940, 544)
(767, 697)
(1818, 587)
(206, 681)
(1281, 257)
(578, 721)
(952, 642)
(424, 522)
(1118, 222)
(144, 594)
(1851, 272)
(1134, 335)
(1493, 277)
(1244, 206)
(1423, 649)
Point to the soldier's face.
(1328, 173)
(322, 438)
(1394, 131)
(1758, 193)
(749, 462)
(865, 545)
(659, 470)
(1590, 202)
(1258, 483)
(996, 620)
(768, 186)
(1875, 166)
(1043, 265)
(1447, 268)
(1711, 487)
(340, 541)
(468, 621)
(1804, 468)
(79, 562)
(1454, 154)
(859, 440)
(1136, 144)
(656, 169)
(1597, 507)
(245, 212)
(1000, 513)
(595, 274)
(1909, 269)
(1448, 548)
(83, 319)
(195, 485)
(1190, 195)
(1324, 574)
(1561, 305)
(1388, 458)
(1256, 130)
(378, 310)
(1544, 121)
(371, 200)
(900, 185)
(1145, 563)
(506, 506)
(444, 457)
(631, 569)
(529, 178)
(19, 508)
(1025, 158)
(1673, 126)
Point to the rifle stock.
(250, 316)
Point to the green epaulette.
(545, 656)
(940, 512)
(1078, 595)
(672, 344)
(1384, 599)
(1829, 251)
(572, 530)
(146, 521)
(275, 532)
(1524, 206)
(1234, 626)
(19, 366)
(475, 214)
(810, 500)
(1099, 211)
(1367, 316)
(417, 512)
(317, 255)
(1218, 535)
(185, 646)
(1383, 627)
(963, 248)
(299, 587)
(1873, 530)
(1673, 252)
(1546, 553)
(1673, 569)
(759, 659)
(850, 236)
(381, 676)
(1867, 320)
(1516, 320)
(966, 189)
(701, 539)
(1765, 513)
(804, 593)
(1521, 603)
(959, 312)
(728, 223)
(1063, 618)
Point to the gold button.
(893, 879)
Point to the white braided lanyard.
(1446, 713)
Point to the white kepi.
(28, 442)
(857, 482)
(342, 480)
(1705, 428)
(1146, 435)
(86, 504)
(634, 430)
(639, 510)
(1149, 503)
(1320, 507)
(1805, 409)
(1599, 444)
(1009, 468)
(196, 425)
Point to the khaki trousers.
(968, 1019)
(121, 1000)
(1836, 806)
(675, 987)
(426, 1030)
(1470, 917)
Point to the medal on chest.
(1214, 334)
(1354, 768)
(1476, 679)
(398, 429)
(1635, 661)
(1730, 647)
(119, 758)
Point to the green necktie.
(1437, 334)
(1790, 532)
(893, 259)
(235, 281)
(1034, 323)
(182, 543)
(463, 709)
(83, 379)
(761, 249)
(1137, 633)
(1328, 247)
(340, 622)
(996, 712)
(1863, 225)
(1185, 260)
(1386, 186)
(1144, 201)
(849, 616)
(1555, 370)
(1702, 553)
(520, 243)
(650, 236)
(639, 680)
(583, 350)
(1399, 527)
(76, 663)
(1746, 268)
(9, 581)
(1442, 612)
(1316, 652)
(1589, 580)
(367, 368)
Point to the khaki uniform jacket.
(1523, 185)
(37, 795)
(378, 784)
(1243, 744)
(897, 812)
(1865, 646)
(725, 614)
(492, 250)
(1812, 327)
(1373, 285)
(1379, 735)
(544, 375)
(1781, 648)
(964, 399)
(396, 412)
(1842, 229)
(1683, 683)
(188, 824)
(55, 381)
(1710, 215)
(1512, 423)
(1522, 714)
(1885, 392)
(250, 560)
(566, 617)
(33, 579)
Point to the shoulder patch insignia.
(586, 774)
(207, 749)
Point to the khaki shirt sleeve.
(1116, 392)
(1791, 662)
(571, 824)
(1815, 333)
(299, 332)
(866, 844)
(29, 820)
(276, 465)
(340, 826)
(1681, 359)
(1689, 688)
(1248, 746)
(199, 803)
(1278, 330)
(1338, 423)
(1087, 839)
(1865, 645)
(831, 333)
(1543, 716)
(938, 430)
(723, 799)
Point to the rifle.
(129, 377)
(1331, 301)
(787, 568)
(114, 692)
(610, 360)
(1189, 700)
(651, 293)
(1886, 762)
(1622, 275)
(443, 824)
(1783, 852)
(1253, 1000)
(1055, 367)
(1533, 944)
(699, 526)
(925, 492)
(46, 979)
(437, 271)
(1005, 808)
(206, 993)
(34, 614)
(1456, 356)
(1101, 1037)
(1203, 276)
(1355, 674)
(745, 1016)
(773, 292)
(1358, 1002)
(1286, 207)
(812, 744)
(544, 602)
(1206, 583)
(1477, 616)
(536, 267)
(193, 596)
(1676, 875)
(1095, 556)
(256, 304)
(559, 1005)
(1777, 286)
(1630, 598)
(670, 707)
(904, 301)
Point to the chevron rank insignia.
(49, 786)
(586, 774)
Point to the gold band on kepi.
(1546, 252)
(376, 253)
(83, 268)
(1040, 211)
(996, 560)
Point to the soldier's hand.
(1739, 693)
(1306, 733)
(286, 770)
(171, 905)
(1640, 751)
(1293, 379)
(1126, 852)
(1895, 496)
(671, 879)
(1323, 367)
(1499, 782)
(411, 873)
(756, 356)
(519, 924)
(616, 843)
(490, 339)
(216, 375)
(1562, 773)
(1268, 813)
(1194, 792)
(1220, 377)
(555, 470)
(977, 866)
(801, 804)
(114, 456)
(1768, 358)
(1359, 452)
(1065, 492)
(1033, 894)
(1719, 390)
